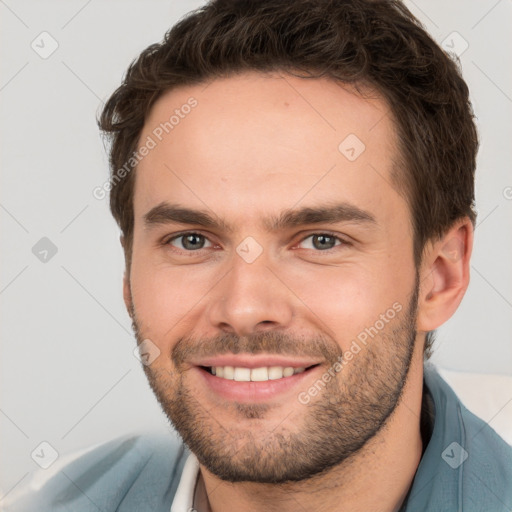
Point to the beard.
(312, 438)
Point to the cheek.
(346, 300)
(165, 300)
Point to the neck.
(377, 477)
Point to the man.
(294, 183)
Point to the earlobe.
(444, 276)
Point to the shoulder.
(470, 457)
(457, 392)
(139, 471)
(489, 456)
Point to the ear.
(444, 276)
(127, 295)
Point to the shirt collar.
(440, 470)
(184, 497)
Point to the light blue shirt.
(466, 467)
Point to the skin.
(257, 145)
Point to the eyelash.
(167, 241)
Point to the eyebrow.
(166, 213)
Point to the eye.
(322, 241)
(189, 242)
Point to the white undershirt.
(184, 498)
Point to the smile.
(254, 384)
(264, 373)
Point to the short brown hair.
(375, 43)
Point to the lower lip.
(254, 391)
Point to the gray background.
(68, 373)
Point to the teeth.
(275, 372)
(259, 374)
(288, 372)
(241, 374)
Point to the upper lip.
(256, 361)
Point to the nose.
(250, 298)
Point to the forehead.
(252, 143)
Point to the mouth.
(259, 374)
(255, 383)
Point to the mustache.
(270, 342)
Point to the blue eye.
(323, 241)
(189, 241)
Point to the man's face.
(264, 288)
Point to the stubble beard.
(349, 411)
